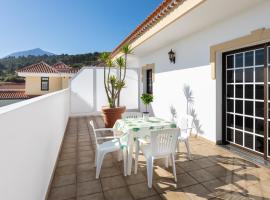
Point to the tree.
(126, 50)
(113, 84)
(147, 99)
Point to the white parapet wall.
(31, 133)
(88, 93)
(5, 102)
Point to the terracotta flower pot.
(110, 115)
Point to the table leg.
(130, 154)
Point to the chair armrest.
(104, 129)
(142, 141)
(111, 137)
(184, 133)
(187, 130)
(104, 138)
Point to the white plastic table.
(138, 127)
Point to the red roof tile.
(40, 67)
(62, 67)
(159, 13)
(12, 86)
(13, 95)
(43, 67)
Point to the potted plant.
(113, 85)
(146, 99)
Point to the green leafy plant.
(147, 99)
(126, 50)
(114, 84)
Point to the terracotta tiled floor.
(214, 173)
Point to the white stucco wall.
(192, 68)
(88, 93)
(82, 92)
(31, 133)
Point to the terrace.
(214, 172)
(208, 59)
(54, 154)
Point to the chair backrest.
(94, 130)
(163, 142)
(127, 115)
(185, 123)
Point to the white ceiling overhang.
(204, 15)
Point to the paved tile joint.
(214, 173)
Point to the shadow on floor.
(214, 173)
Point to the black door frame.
(224, 77)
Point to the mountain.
(31, 52)
(9, 65)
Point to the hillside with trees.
(8, 65)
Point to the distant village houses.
(40, 78)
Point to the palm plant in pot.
(113, 85)
(146, 99)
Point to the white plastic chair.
(133, 115)
(185, 125)
(140, 140)
(113, 144)
(162, 145)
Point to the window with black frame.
(149, 81)
(44, 83)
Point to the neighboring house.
(12, 93)
(42, 78)
(10, 97)
(12, 86)
(220, 51)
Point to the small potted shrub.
(146, 99)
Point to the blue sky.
(69, 26)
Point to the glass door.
(246, 83)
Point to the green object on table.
(173, 125)
(135, 129)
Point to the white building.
(221, 51)
(201, 33)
